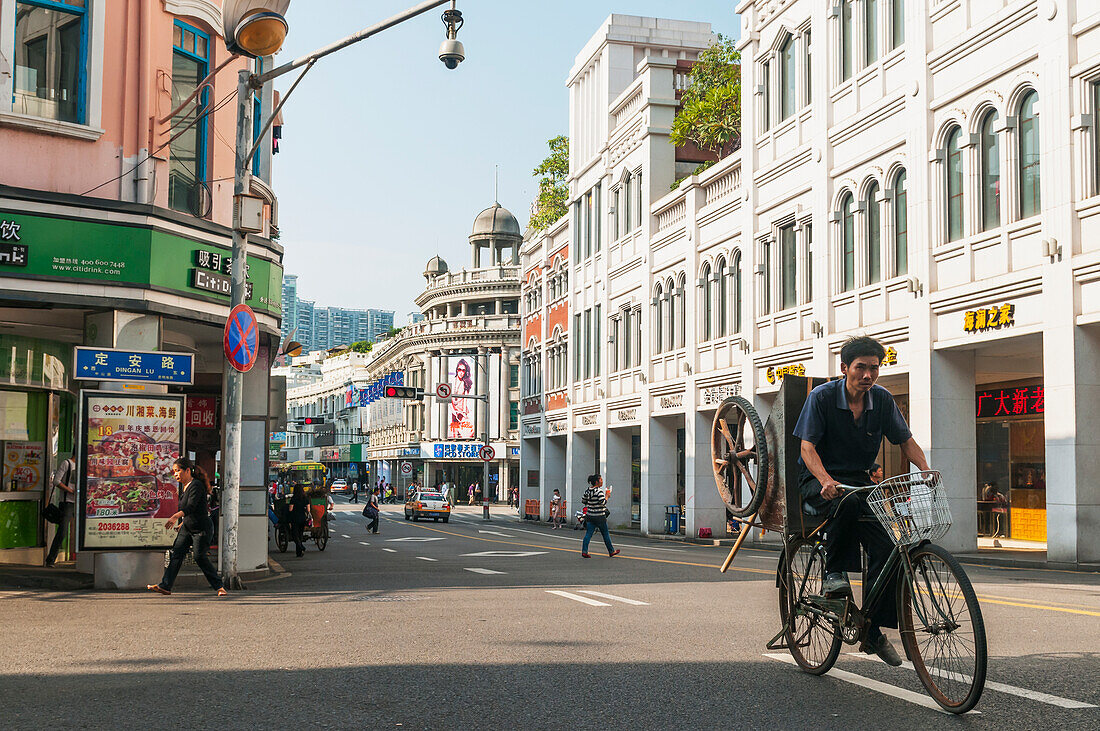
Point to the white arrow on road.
(495, 533)
(510, 554)
(416, 539)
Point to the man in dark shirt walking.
(841, 427)
(595, 516)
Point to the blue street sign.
(108, 364)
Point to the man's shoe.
(585, 555)
(836, 583)
(884, 650)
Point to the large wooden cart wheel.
(739, 453)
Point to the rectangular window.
(1096, 136)
(627, 200)
(870, 32)
(766, 290)
(187, 189)
(597, 220)
(597, 346)
(637, 336)
(615, 215)
(513, 416)
(638, 199)
(576, 337)
(613, 350)
(787, 259)
(897, 26)
(809, 263)
(513, 376)
(578, 225)
(845, 40)
(765, 98)
(588, 343)
(787, 65)
(808, 45)
(627, 335)
(901, 226)
(51, 52)
(588, 224)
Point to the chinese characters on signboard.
(1020, 401)
(105, 364)
(213, 273)
(24, 465)
(11, 253)
(128, 444)
(989, 318)
(456, 451)
(202, 412)
(774, 374)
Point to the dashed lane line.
(1034, 695)
(342, 535)
(363, 543)
(871, 684)
(390, 550)
(624, 600)
(425, 558)
(578, 598)
(486, 571)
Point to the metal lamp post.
(257, 28)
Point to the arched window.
(847, 244)
(659, 330)
(901, 226)
(722, 306)
(874, 235)
(708, 303)
(786, 78)
(990, 153)
(673, 314)
(735, 276)
(954, 185)
(1029, 155)
(845, 40)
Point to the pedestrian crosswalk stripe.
(578, 598)
(485, 571)
(871, 684)
(600, 594)
(389, 550)
(425, 558)
(1034, 695)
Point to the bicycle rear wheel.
(942, 629)
(813, 638)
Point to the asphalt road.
(458, 625)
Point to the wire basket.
(912, 507)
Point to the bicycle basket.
(912, 507)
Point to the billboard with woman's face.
(460, 374)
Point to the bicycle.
(940, 621)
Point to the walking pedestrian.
(64, 478)
(470, 490)
(195, 527)
(555, 509)
(595, 503)
(354, 492)
(371, 511)
(298, 507)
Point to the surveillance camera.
(451, 53)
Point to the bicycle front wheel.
(812, 637)
(942, 629)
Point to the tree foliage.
(552, 201)
(710, 116)
(362, 346)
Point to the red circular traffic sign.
(406, 468)
(486, 453)
(443, 390)
(241, 339)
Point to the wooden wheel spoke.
(723, 427)
(745, 454)
(747, 475)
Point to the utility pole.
(485, 435)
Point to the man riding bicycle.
(841, 427)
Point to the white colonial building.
(468, 339)
(926, 173)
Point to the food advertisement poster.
(24, 465)
(460, 374)
(128, 444)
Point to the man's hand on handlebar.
(830, 490)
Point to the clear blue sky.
(387, 156)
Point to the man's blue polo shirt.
(844, 444)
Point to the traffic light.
(405, 392)
(311, 420)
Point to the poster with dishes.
(460, 374)
(128, 444)
(24, 465)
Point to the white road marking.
(485, 571)
(624, 600)
(389, 550)
(495, 533)
(1034, 695)
(510, 554)
(544, 534)
(871, 684)
(425, 558)
(415, 539)
(578, 598)
(344, 536)
(363, 543)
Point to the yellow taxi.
(424, 504)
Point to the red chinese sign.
(202, 412)
(1020, 401)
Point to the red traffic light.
(405, 392)
(313, 420)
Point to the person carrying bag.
(370, 510)
(64, 479)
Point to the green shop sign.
(57, 248)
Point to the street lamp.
(258, 28)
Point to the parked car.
(427, 505)
(339, 485)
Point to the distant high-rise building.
(321, 328)
(415, 317)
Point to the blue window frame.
(51, 59)
(188, 152)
